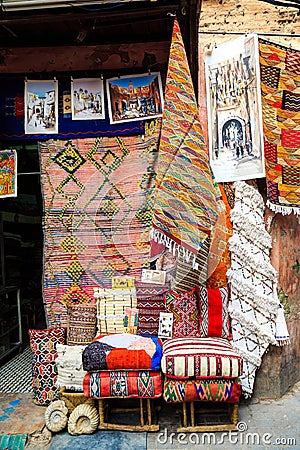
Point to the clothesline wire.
(240, 33)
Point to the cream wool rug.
(254, 302)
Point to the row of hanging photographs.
(129, 98)
(235, 131)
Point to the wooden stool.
(145, 411)
(189, 423)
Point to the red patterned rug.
(280, 83)
(98, 203)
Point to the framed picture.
(41, 106)
(234, 110)
(8, 173)
(135, 97)
(87, 95)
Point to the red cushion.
(133, 384)
(213, 308)
(185, 311)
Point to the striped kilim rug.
(186, 205)
(98, 205)
(16, 374)
(280, 87)
(13, 441)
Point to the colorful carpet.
(186, 207)
(98, 205)
(280, 84)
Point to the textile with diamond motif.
(280, 87)
(98, 203)
(186, 205)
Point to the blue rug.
(13, 442)
(101, 440)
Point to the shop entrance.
(21, 241)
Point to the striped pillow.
(200, 358)
(213, 308)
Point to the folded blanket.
(122, 351)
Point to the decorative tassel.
(284, 210)
(281, 334)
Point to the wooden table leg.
(192, 408)
(142, 422)
(184, 414)
(101, 411)
(149, 411)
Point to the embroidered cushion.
(201, 390)
(150, 303)
(81, 324)
(43, 345)
(184, 307)
(69, 367)
(123, 351)
(116, 311)
(213, 308)
(200, 358)
(134, 384)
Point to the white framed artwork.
(234, 108)
(87, 96)
(134, 97)
(41, 107)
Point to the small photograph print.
(122, 282)
(87, 96)
(165, 325)
(41, 106)
(135, 97)
(153, 276)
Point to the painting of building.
(138, 97)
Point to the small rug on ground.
(116, 440)
(19, 415)
(13, 442)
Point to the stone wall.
(278, 24)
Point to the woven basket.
(73, 399)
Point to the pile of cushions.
(57, 354)
(198, 361)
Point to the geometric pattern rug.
(16, 374)
(186, 196)
(280, 88)
(98, 206)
